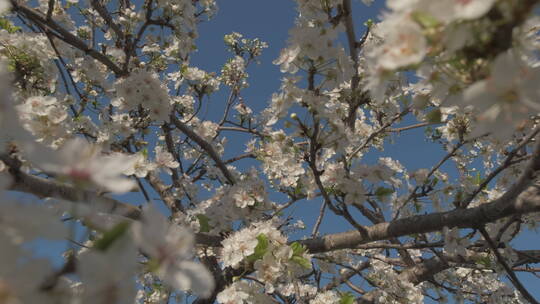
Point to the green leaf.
(381, 192)
(298, 189)
(304, 262)
(369, 23)
(184, 69)
(417, 206)
(109, 237)
(204, 222)
(485, 261)
(260, 249)
(298, 249)
(8, 26)
(434, 181)
(331, 190)
(153, 265)
(425, 20)
(346, 298)
(478, 178)
(297, 257)
(434, 116)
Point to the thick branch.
(523, 197)
(463, 218)
(42, 187)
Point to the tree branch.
(523, 197)
(102, 11)
(40, 19)
(205, 146)
(42, 188)
(511, 275)
(463, 218)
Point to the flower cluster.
(45, 117)
(273, 259)
(233, 74)
(143, 89)
(280, 160)
(436, 38)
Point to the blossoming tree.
(99, 98)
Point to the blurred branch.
(42, 188)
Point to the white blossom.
(171, 247)
(140, 165)
(404, 43)
(83, 163)
(286, 59)
(505, 99)
(165, 160)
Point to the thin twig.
(512, 276)
(318, 222)
(205, 146)
(507, 163)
